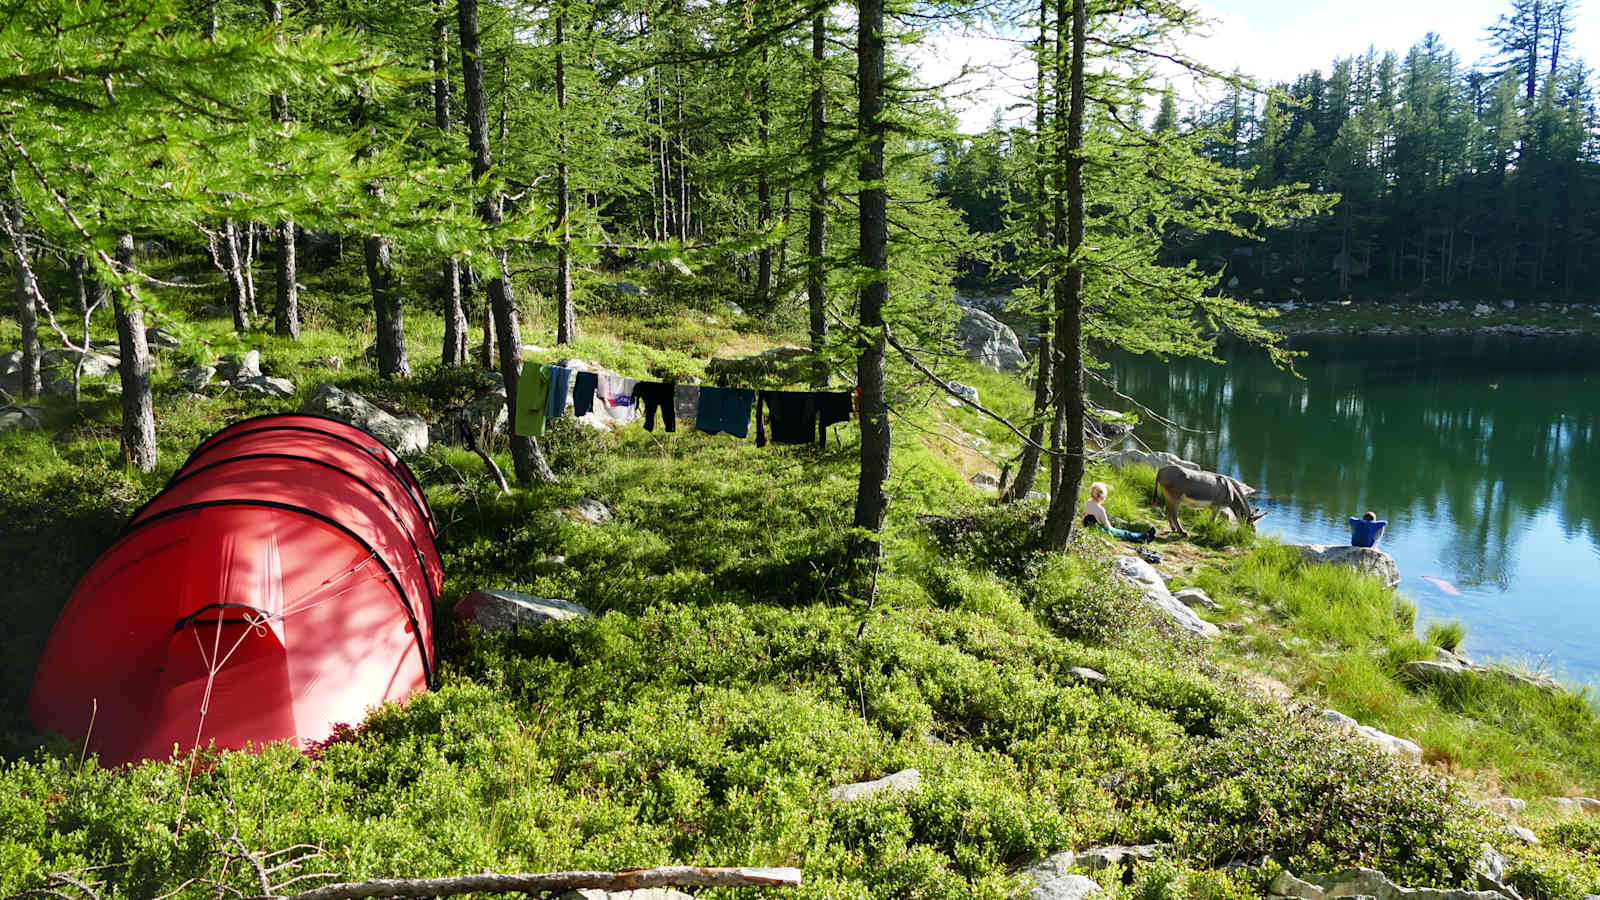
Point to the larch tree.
(527, 459)
(175, 122)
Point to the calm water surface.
(1483, 454)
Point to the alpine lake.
(1483, 453)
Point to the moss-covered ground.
(740, 664)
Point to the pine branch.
(945, 385)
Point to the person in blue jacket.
(1365, 531)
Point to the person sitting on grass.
(1365, 531)
(1094, 513)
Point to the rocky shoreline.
(1442, 318)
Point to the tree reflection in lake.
(1481, 452)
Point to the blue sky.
(1275, 40)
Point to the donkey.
(1207, 489)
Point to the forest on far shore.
(1457, 178)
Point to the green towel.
(532, 390)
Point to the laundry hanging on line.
(796, 417)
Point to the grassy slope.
(740, 667)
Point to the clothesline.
(797, 417)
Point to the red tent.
(282, 582)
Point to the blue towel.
(556, 401)
(726, 410)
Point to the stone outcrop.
(591, 511)
(1509, 807)
(787, 363)
(988, 342)
(1193, 597)
(95, 365)
(405, 435)
(239, 366)
(1571, 806)
(197, 378)
(901, 782)
(1383, 741)
(1085, 675)
(265, 384)
(1150, 583)
(497, 610)
(1368, 560)
(1156, 460)
(1359, 882)
(1447, 669)
(1096, 858)
(21, 418)
(1049, 879)
(1520, 833)
(1103, 432)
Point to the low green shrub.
(1079, 598)
(1314, 801)
(1004, 538)
(1550, 874)
(1446, 635)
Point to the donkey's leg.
(1172, 510)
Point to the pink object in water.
(1442, 585)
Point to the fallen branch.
(472, 444)
(494, 883)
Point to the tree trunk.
(764, 191)
(470, 285)
(286, 308)
(247, 267)
(455, 317)
(387, 311)
(685, 179)
(1028, 464)
(1069, 299)
(527, 460)
(817, 226)
(138, 410)
(27, 305)
(566, 317)
(871, 499)
(233, 271)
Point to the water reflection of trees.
(1469, 436)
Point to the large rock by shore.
(1150, 583)
(1156, 460)
(1384, 741)
(1447, 669)
(1367, 560)
(989, 342)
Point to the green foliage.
(1003, 538)
(1554, 874)
(1310, 799)
(1079, 598)
(1447, 635)
(1325, 603)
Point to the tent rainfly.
(280, 584)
